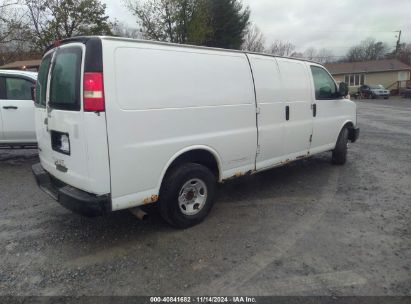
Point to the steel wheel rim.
(192, 197)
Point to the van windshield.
(65, 79)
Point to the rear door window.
(41, 86)
(65, 79)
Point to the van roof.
(86, 38)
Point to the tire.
(189, 209)
(339, 156)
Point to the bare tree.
(52, 20)
(178, 21)
(13, 31)
(281, 48)
(322, 55)
(368, 49)
(374, 49)
(310, 53)
(297, 55)
(254, 40)
(156, 17)
(122, 30)
(325, 56)
(403, 54)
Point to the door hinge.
(258, 149)
(257, 110)
(311, 138)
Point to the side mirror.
(33, 93)
(343, 90)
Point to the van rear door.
(72, 142)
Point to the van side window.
(41, 86)
(325, 87)
(65, 79)
(18, 89)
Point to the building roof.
(22, 63)
(372, 66)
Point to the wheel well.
(199, 156)
(350, 126)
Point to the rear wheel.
(187, 195)
(339, 156)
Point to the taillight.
(93, 92)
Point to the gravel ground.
(309, 228)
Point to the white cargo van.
(123, 123)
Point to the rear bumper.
(74, 199)
(354, 134)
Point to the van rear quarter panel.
(162, 100)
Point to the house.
(391, 73)
(29, 65)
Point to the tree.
(7, 23)
(178, 21)
(229, 21)
(368, 49)
(310, 53)
(403, 53)
(59, 19)
(254, 40)
(280, 48)
(217, 23)
(121, 30)
(323, 55)
(297, 55)
(13, 32)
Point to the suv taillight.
(93, 92)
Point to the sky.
(332, 24)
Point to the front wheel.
(187, 195)
(339, 156)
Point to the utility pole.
(397, 49)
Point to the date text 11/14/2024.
(203, 299)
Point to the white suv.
(17, 108)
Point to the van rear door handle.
(315, 110)
(10, 107)
(287, 113)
